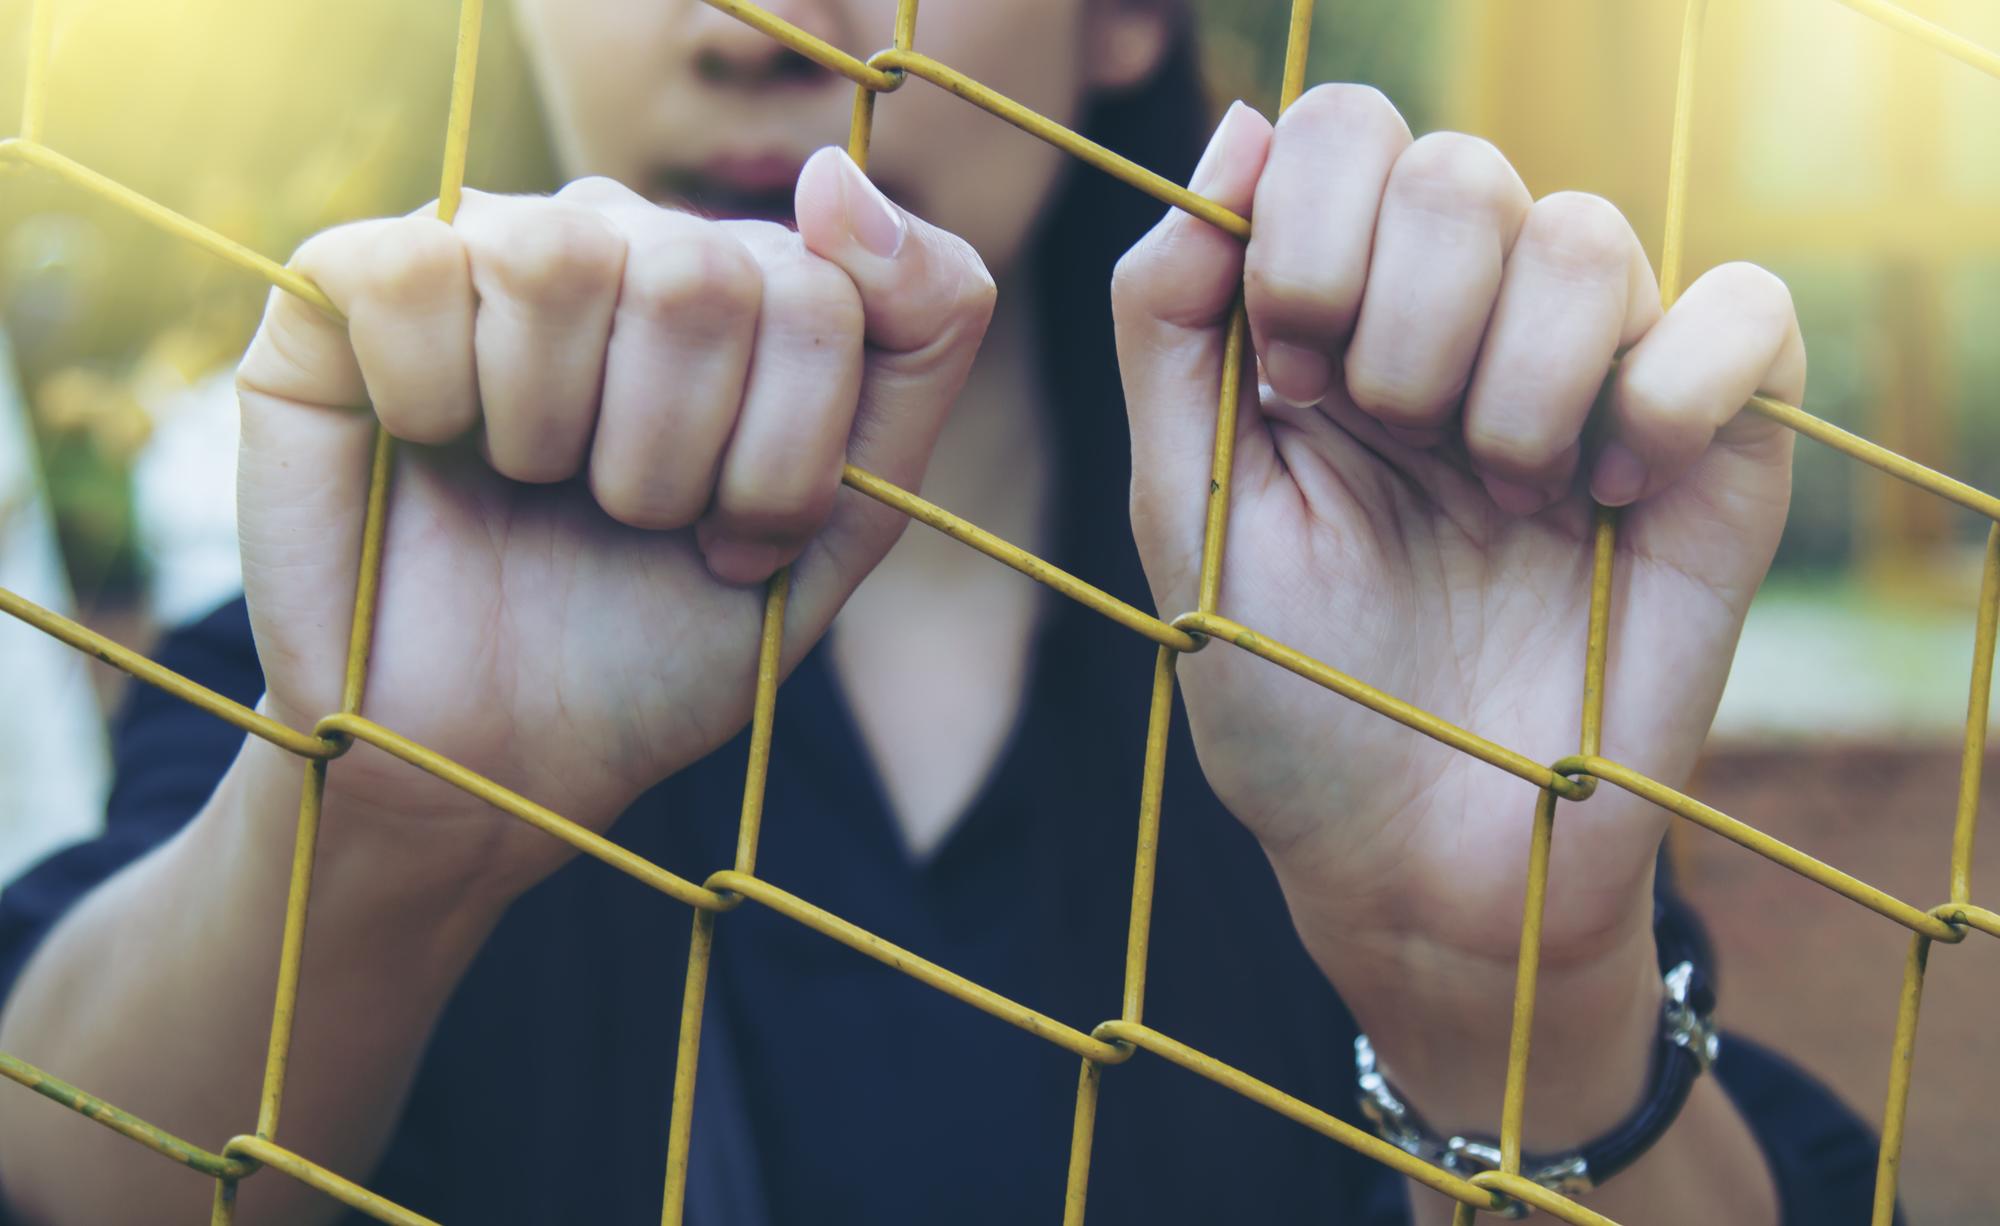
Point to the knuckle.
(1518, 445)
(1315, 299)
(407, 262)
(697, 276)
(334, 244)
(976, 293)
(1648, 397)
(1141, 283)
(557, 255)
(1757, 292)
(1395, 399)
(778, 509)
(598, 190)
(811, 291)
(1128, 281)
(1580, 236)
(1342, 106)
(626, 496)
(422, 425)
(1456, 174)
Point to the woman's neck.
(993, 464)
(933, 649)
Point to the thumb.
(1171, 299)
(926, 299)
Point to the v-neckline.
(845, 752)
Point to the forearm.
(1441, 1027)
(156, 993)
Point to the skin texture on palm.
(570, 599)
(1411, 503)
(578, 608)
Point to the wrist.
(437, 855)
(1440, 1023)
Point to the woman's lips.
(753, 172)
(740, 187)
(734, 186)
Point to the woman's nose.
(727, 52)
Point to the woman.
(623, 417)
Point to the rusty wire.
(1115, 1041)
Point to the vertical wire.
(458, 124)
(680, 1124)
(1138, 933)
(1673, 249)
(861, 125)
(35, 92)
(1513, 1105)
(222, 1209)
(1152, 786)
(1597, 647)
(1216, 529)
(368, 580)
(1160, 710)
(291, 949)
(1298, 38)
(701, 941)
(1088, 1079)
(298, 896)
(1603, 552)
(361, 632)
(1975, 723)
(1889, 1161)
(750, 822)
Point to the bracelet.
(1687, 1046)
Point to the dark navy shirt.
(833, 1090)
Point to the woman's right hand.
(618, 420)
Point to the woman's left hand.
(1412, 504)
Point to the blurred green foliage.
(1390, 44)
(266, 122)
(271, 121)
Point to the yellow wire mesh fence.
(1111, 1042)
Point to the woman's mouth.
(733, 186)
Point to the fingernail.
(874, 222)
(1619, 476)
(1514, 498)
(1297, 375)
(742, 562)
(1206, 168)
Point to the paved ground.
(1817, 976)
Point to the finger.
(1450, 213)
(1171, 299)
(926, 299)
(303, 472)
(1575, 289)
(781, 467)
(547, 274)
(677, 358)
(406, 349)
(1315, 208)
(1734, 333)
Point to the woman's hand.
(618, 420)
(1412, 505)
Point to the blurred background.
(1863, 168)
